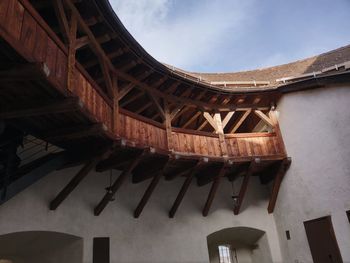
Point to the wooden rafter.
(62, 19)
(125, 91)
(264, 118)
(244, 185)
(277, 183)
(211, 120)
(117, 184)
(156, 102)
(227, 118)
(184, 189)
(139, 81)
(201, 127)
(133, 98)
(72, 37)
(213, 190)
(240, 121)
(143, 108)
(74, 182)
(148, 193)
(192, 119)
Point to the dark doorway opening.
(322, 241)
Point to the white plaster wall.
(316, 129)
(151, 238)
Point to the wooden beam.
(211, 120)
(168, 128)
(192, 119)
(67, 105)
(62, 19)
(265, 118)
(81, 42)
(34, 172)
(74, 132)
(135, 97)
(184, 189)
(175, 111)
(277, 130)
(144, 107)
(220, 132)
(115, 107)
(107, 78)
(244, 185)
(227, 118)
(117, 184)
(73, 29)
(125, 91)
(83, 172)
(25, 72)
(213, 190)
(128, 77)
(277, 183)
(139, 81)
(147, 194)
(157, 104)
(201, 127)
(241, 120)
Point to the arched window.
(225, 254)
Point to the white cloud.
(183, 39)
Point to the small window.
(288, 235)
(101, 250)
(225, 254)
(348, 214)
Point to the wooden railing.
(23, 28)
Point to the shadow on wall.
(247, 245)
(40, 246)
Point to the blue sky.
(232, 35)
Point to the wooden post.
(84, 171)
(117, 184)
(276, 128)
(184, 189)
(277, 183)
(147, 194)
(244, 185)
(115, 109)
(213, 190)
(220, 131)
(71, 52)
(168, 129)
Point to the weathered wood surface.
(23, 28)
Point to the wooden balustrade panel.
(196, 144)
(32, 41)
(141, 132)
(92, 100)
(253, 146)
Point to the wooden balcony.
(46, 95)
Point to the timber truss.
(72, 77)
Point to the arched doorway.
(239, 245)
(40, 246)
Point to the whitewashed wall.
(151, 238)
(316, 129)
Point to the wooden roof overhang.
(72, 76)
